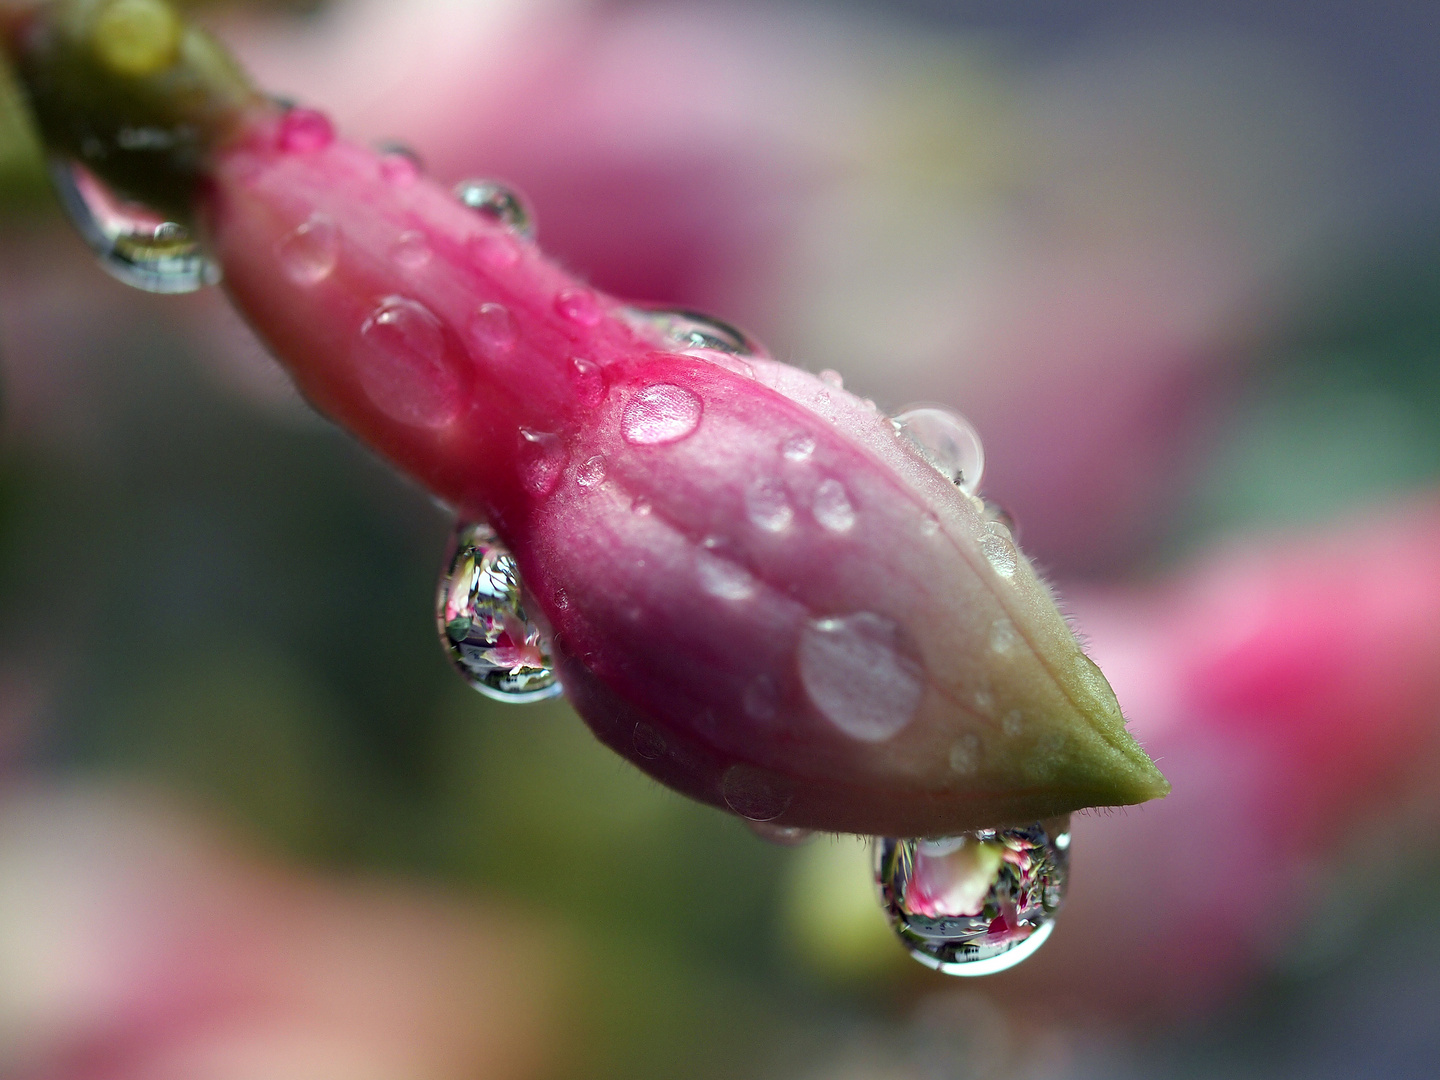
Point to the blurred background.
(1179, 263)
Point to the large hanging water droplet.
(134, 244)
(660, 414)
(499, 203)
(483, 625)
(979, 903)
(948, 442)
(691, 330)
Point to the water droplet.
(965, 754)
(406, 368)
(993, 511)
(399, 165)
(305, 131)
(580, 306)
(542, 460)
(649, 744)
(493, 330)
(1003, 636)
(483, 625)
(134, 244)
(1095, 683)
(996, 545)
(591, 472)
(768, 505)
(832, 378)
(589, 381)
(762, 699)
(863, 673)
(832, 507)
(798, 448)
(783, 835)
(494, 252)
(498, 203)
(685, 330)
(642, 507)
(948, 442)
(411, 251)
(724, 579)
(755, 794)
(659, 414)
(310, 254)
(975, 904)
(984, 701)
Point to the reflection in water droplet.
(649, 744)
(975, 904)
(1003, 636)
(493, 330)
(499, 203)
(411, 251)
(996, 545)
(589, 381)
(724, 579)
(754, 793)
(832, 378)
(686, 330)
(783, 835)
(832, 507)
(659, 414)
(798, 448)
(399, 165)
(948, 442)
(483, 625)
(405, 367)
(580, 306)
(591, 471)
(134, 244)
(310, 254)
(863, 673)
(768, 505)
(304, 131)
(542, 460)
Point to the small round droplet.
(304, 131)
(498, 203)
(642, 507)
(948, 442)
(999, 549)
(755, 794)
(863, 673)
(134, 244)
(542, 460)
(1003, 636)
(767, 504)
(493, 330)
(690, 330)
(411, 251)
(400, 165)
(976, 904)
(310, 254)
(1095, 684)
(1014, 723)
(406, 368)
(591, 472)
(832, 507)
(724, 579)
(580, 306)
(483, 625)
(589, 381)
(798, 448)
(649, 744)
(780, 835)
(660, 414)
(833, 379)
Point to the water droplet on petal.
(999, 549)
(405, 366)
(310, 254)
(580, 306)
(493, 330)
(1014, 723)
(305, 131)
(399, 165)
(798, 448)
(483, 625)
(649, 744)
(498, 203)
(724, 579)
(1095, 684)
(976, 904)
(687, 330)
(756, 794)
(591, 472)
(767, 504)
(589, 381)
(863, 673)
(832, 507)
(659, 414)
(411, 251)
(542, 460)
(948, 442)
(1003, 636)
(134, 244)
(642, 507)
(783, 835)
(832, 378)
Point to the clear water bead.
(499, 203)
(309, 254)
(975, 904)
(692, 330)
(948, 442)
(659, 414)
(483, 625)
(134, 244)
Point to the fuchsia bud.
(758, 589)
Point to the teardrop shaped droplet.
(979, 903)
(309, 254)
(948, 442)
(483, 625)
(499, 203)
(135, 245)
(681, 329)
(399, 164)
